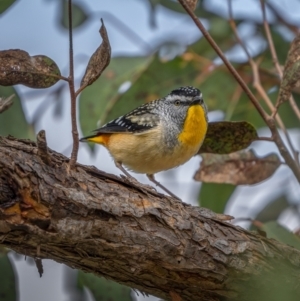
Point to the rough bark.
(100, 223)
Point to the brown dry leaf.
(192, 4)
(39, 266)
(18, 67)
(99, 60)
(240, 168)
(291, 72)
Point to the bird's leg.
(127, 174)
(131, 178)
(152, 179)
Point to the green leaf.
(215, 196)
(272, 210)
(79, 16)
(13, 121)
(240, 168)
(228, 137)
(280, 233)
(102, 289)
(8, 279)
(5, 4)
(100, 101)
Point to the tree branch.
(99, 223)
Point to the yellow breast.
(194, 128)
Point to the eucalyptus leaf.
(99, 60)
(102, 289)
(228, 137)
(291, 72)
(8, 279)
(282, 234)
(18, 67)
(5, 4)
(13, 121)
(273, 209)
(240, 168)
(215, 196)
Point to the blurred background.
(155, 48)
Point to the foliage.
(130, 81)
(8, 278)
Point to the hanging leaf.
(241, 168)
(291, 73)
(13, 121)
(280, 233)
(79, 16)
(99, 60)
(272, 210)
(39, 265)
(5, 4)
(215, 196)
(8, 279)
(17, 67)
(228, 137)
(102, 289)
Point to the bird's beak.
(196, 100)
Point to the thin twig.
(270, 40)
(5, 103)
(267, 118)
(258, 86)
(280, 73)
(270, 139)
(236, 96)
(72, 92)
(275, 61)
(232, 70)
(257, 82)
(80, 89)
(281, 20)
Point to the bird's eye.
(177, 102)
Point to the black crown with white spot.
(186, 91)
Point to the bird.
(156, 136)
